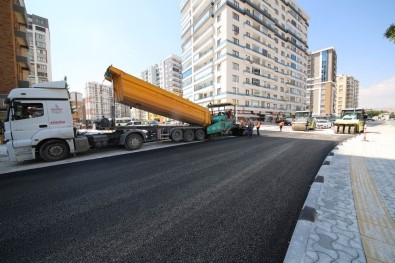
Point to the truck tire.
(336, 129)
(341, 129)
(133, 142)
(176, 135)
(189, 136)
(352, 129)
(54, 150)
(200, 135)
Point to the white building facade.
(347, 88)
(99, 102)
(252, 53)
(167, 75)
(39, 49)
(170, 74)
(321, 82)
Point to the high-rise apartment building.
(347, 93)
(252, 53)
(99, 101)
(151, 75)
(14, 47)
(166, 75)
(170, 75)
(39, 49)
(321, 82)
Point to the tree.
(390, 33)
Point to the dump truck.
(352, 121)
(301, 119)
(39, 120)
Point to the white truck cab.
(39, 121)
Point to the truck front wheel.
(54, 150)
(133, 142)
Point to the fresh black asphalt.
(222, 200)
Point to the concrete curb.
(330, 232)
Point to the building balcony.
(20, 14)
(23, 62)
(21, 37)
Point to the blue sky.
(88, 36)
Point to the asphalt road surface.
(223, 200)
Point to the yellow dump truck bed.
(140, 94)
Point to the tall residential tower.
(99, 103)
(321, 82)
(252, 53)
(347, 93)
(167, 75)
(40, 49)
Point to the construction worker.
(258, 126)
(281, 124)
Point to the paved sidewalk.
(349, 214)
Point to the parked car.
(288, 121)
(152, 123)
(323, 124)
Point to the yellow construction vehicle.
(303, 119)
(352, 121)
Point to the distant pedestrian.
(307, 125)
(258, 126)
(250, 127)
(281, 124)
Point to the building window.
(219, 79)
(235, 66)
(235, 29)
(255, 82)
(235, 16)
(256, 71)
(40, 44)
(40, 36)
(219, 18)
(235, 53)
(235, 78)
(219, 67)
(218, 30)
(236, 41)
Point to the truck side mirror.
(365, 117)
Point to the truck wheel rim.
(56, 150)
